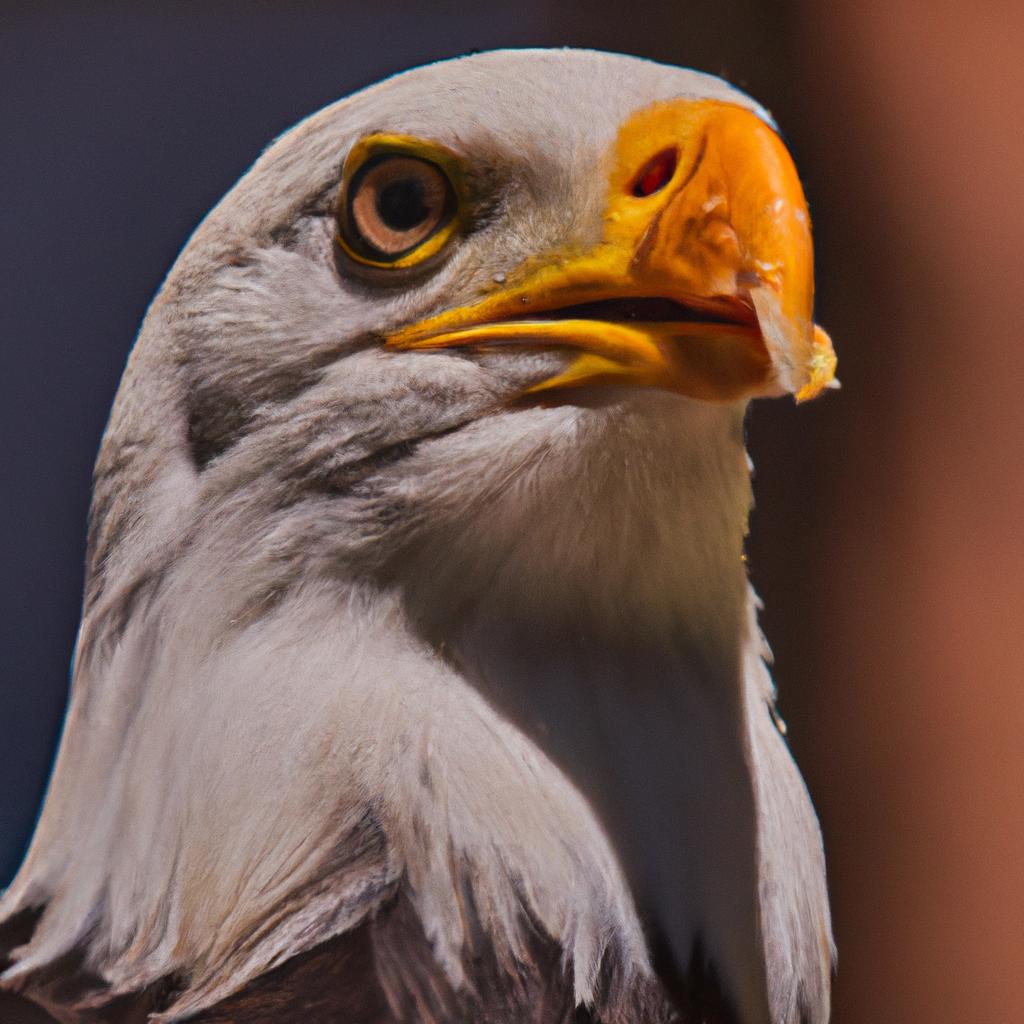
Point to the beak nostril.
(655, 174)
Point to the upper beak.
(702, 283)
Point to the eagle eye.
(397, 205)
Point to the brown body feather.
(385, 973)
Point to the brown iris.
(395, 203)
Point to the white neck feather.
(601, 603)
(217, 757)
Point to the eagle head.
(416, 567)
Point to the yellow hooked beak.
(702, 284)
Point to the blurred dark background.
(887, 539)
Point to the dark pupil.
(401, 205)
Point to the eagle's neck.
(603, 606)
(651, 725)
(588, 583)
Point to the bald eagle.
(419, 677)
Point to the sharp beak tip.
(821, 368)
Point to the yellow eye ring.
(401, 201)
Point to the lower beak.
(702, 284)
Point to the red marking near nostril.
(656, 174)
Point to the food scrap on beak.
(702, 284)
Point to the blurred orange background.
(912, 683)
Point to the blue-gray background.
(886, 540)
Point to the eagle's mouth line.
(647, 310)
(689, 315)
(706, 347)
